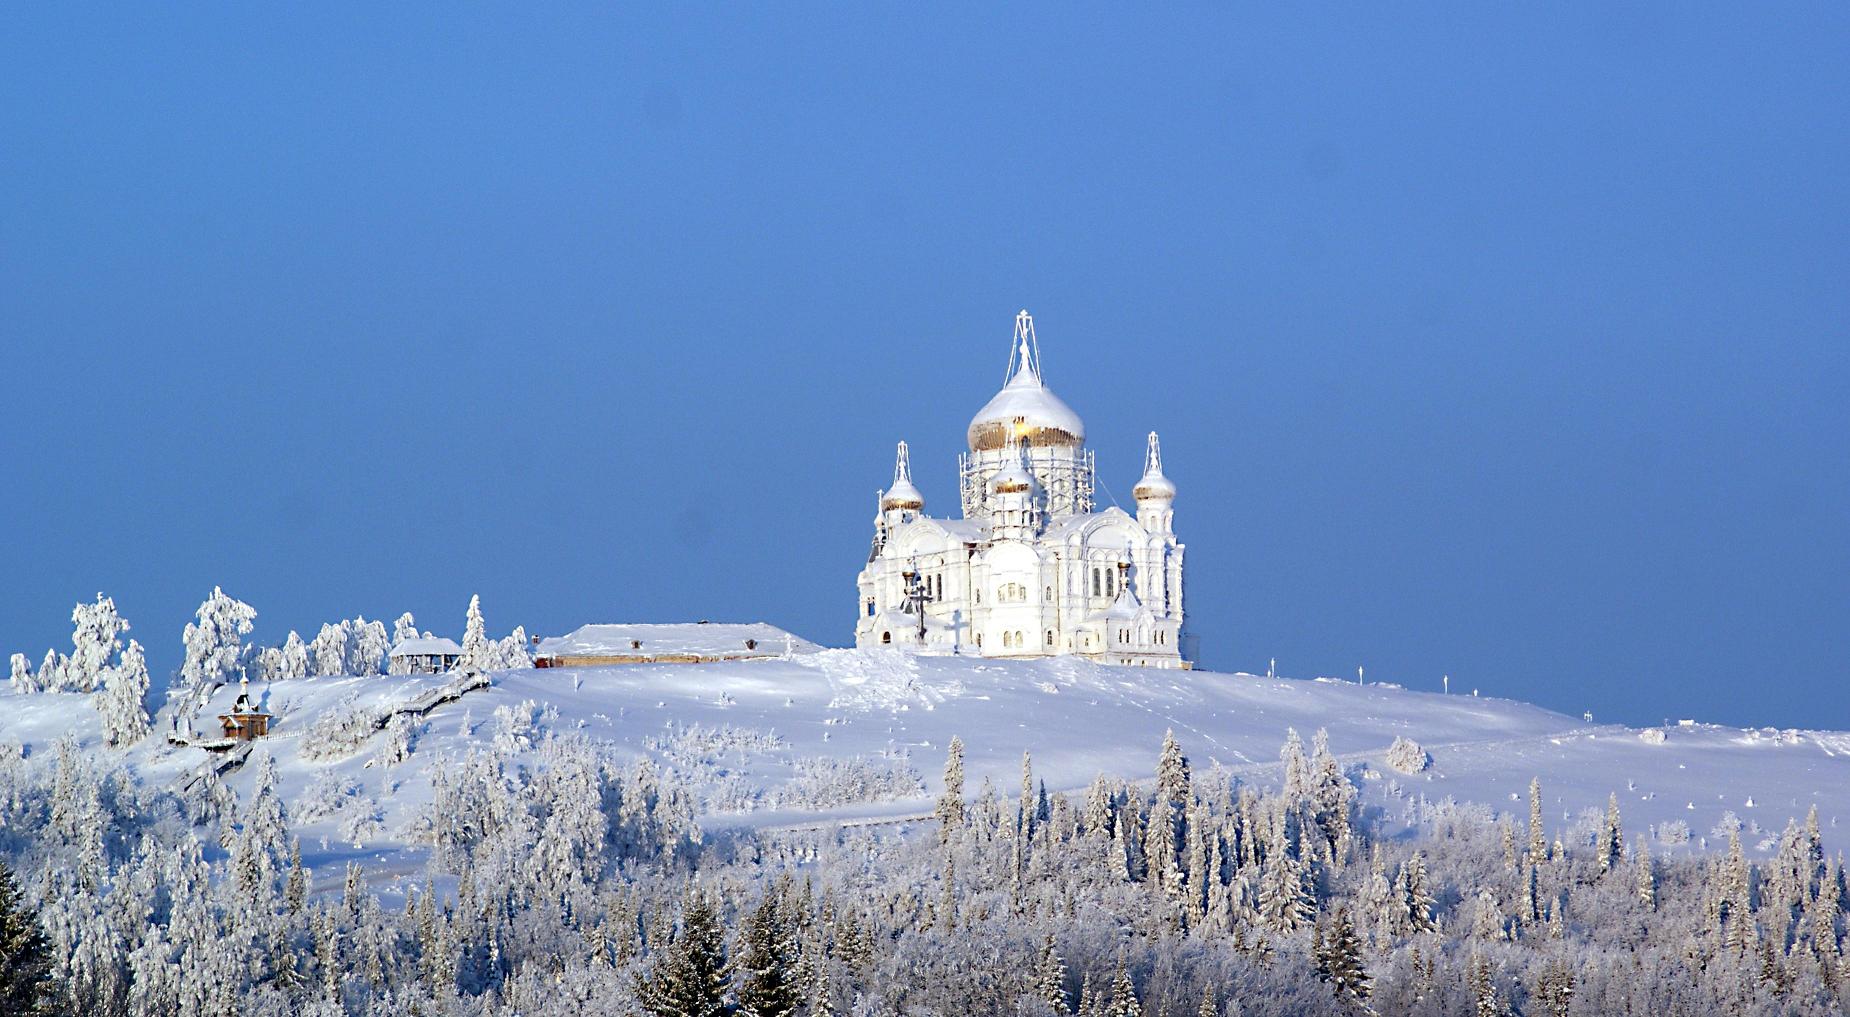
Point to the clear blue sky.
(1503, 341)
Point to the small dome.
(1154, 486)
(902, 495)
(1010, 479)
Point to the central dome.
(1026, 409)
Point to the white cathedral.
(1031, 570)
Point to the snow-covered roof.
(427, 646)
(704, 639)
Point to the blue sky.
(1501, 341)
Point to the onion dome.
(1026, 409)
(902, 495)
(1154, 486)
(1011, 479)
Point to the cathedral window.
(1049, 594)
(1020, 642)
(886, 637)
(1097, 583)
(1049, 637)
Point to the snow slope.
(764, 743)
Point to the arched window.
(886, 637)
(979, 640)
(1111, 582)
(1019, 641)
(1049, 637)
(1048, 595)
(1096, 582)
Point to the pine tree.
(1024, 819)
(950, 810)
(1337, 953)
(25, 954)
(1285, 899)
(1332, 796)
(947, 901)
(1097, 817)
(689, 978)
(1554, 989)
(1483, 987)
(1538, 840)
(1415, 898)
(475, 646)
(1207, 1007)
(1124, 996)
(1050, 978)
(1611, 838)
(1824, 910)
(1647, 876)
(768, 958)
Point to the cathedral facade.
(1031, 568)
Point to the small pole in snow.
(1271, 669)
(1358, 677)
(1448, 684)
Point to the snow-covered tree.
(689, 978)
(122, 701)
(406, 627)
(1407, 756)
(95, 641)
(1337, 953)
(369, 646)
(214, 651)
(328, 651)
(1050, 979)
(23, 681)
(25, 953)
(768, 960)
(1611, 846)
(1538, 838)
(476, 650)
(950, 809)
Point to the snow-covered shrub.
(1406, 756)
(400, 737)
(330, 793)
(341, 731)
(823, 782)
(1652, 736)
(363, 823)
(1674, 832)
(515, 729)
(22, 679)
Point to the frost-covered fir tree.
(1050, 979)
(768, 962)
(950, 809)
(1538, 838)
(1337, 954)
(476, 649)
(689, 978)
(1647, 875)
(1611, 846)
(214, 643)
(406, 627)
(25, 954)
(122, 702)
(1332, 796)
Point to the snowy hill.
(850, 735)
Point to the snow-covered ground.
(861, 735)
